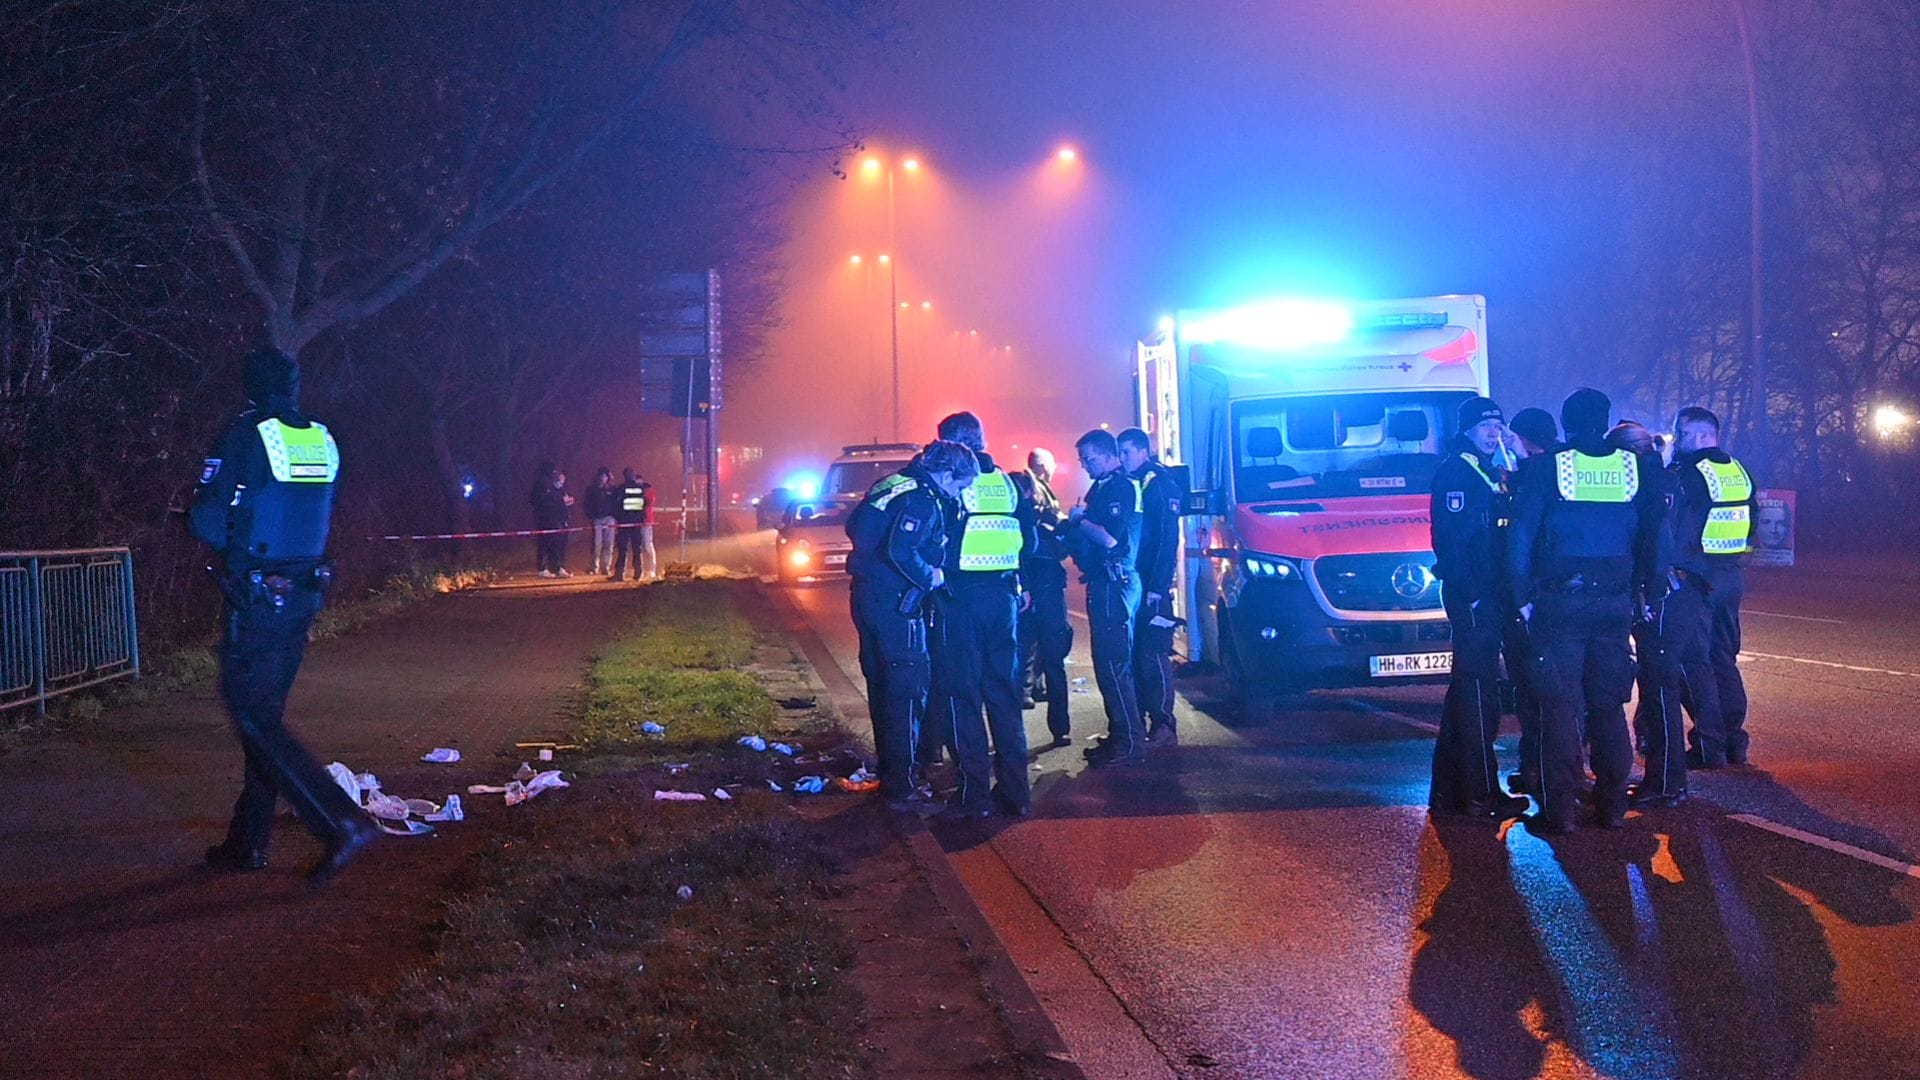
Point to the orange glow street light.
(873, 167)
(1066, 155)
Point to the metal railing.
(66, 622)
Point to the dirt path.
(122, 956)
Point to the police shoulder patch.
(908, 524)
(1456, 501)
(1173, 504)
(209, 470)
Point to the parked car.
(813, 543)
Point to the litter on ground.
(784, 748)
(678, 796)
(722, 794)
(811, 785)
(441, 755)
(651, 728)
(391, 813)
(752, 742)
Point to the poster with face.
(1773, 527)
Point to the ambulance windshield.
(1340, 445)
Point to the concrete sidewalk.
(123, 956)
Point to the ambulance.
(1309, 432)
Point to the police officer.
(263, 504)
(976, 654)
(1104, 531)
(1534, 433)
(899, 542)
(1468, 510)
(630, 511)
(1158, 499)
(1669, 635)
(1716, 501)
(1046, 636)
(1585, 528)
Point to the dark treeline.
(1659, 314)
(448, 212)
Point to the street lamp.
(1889, 420)
(874, 166)
(1756, 330)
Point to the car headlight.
(1270, 567)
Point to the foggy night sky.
(1229, 151)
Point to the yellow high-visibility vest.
(1729, 527)
(889, 488)
(299, 455)
(990, 538)
(1614, 478)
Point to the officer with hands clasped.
(976, 654)
(1716, 502)
(1104, 532)
(1158, 499)
(263, 505)
(1583, 545)
(1468, 511)
(899, 543)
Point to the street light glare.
(911, 164)
(886, 259)
(1067, 155)
(871, 165)
(854, 259)
(1888, 420)
(926, 305)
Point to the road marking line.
(1799, 618)
(1390, 714)
(1817, 840)
(1745, 655)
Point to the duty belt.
(1581, 585)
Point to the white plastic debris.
(441, 755)
(1080, 686)
(387, 807)
(721, 794)
(775, 785)
(485, 789)
(812, 785)
(684, 892)
(678, 796)
(449, 811)
(753, 742)
(524, 772)
(519, 791)
(347, 781)
(675, 768)
(784, 748)
(404, 827)
(651, 728)
(546, 753)
(390, 812)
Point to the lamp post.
(874, 167)
(1756, 338)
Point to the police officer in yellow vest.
(263, 504)
(1583, 544)
(976, 655)
(1716, 501)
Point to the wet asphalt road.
(1271, 900)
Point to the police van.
(1310, 431)
(860, 466)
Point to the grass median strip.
(605, 934)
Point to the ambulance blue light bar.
(1274, 324)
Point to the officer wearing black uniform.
(1582, 546)
(1104, 532)
(976, 653)
(263, 504)
(1046, 635)
(1468, 509)
(899, 541)
(1158, 499)
(1535, 433)
(1716, 502)
(1669, 636)
(629, 512)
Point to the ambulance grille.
(1386, 581)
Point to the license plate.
(1424, 663)
(836, 560)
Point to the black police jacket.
(1466, 509)
(244, 514)
(898, 532)
(1111, 504)
(1552, 543)
(1159, 505)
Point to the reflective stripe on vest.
(990, 539)
(1729, 526)
(889, 488)
(300, 455)
(633, 499)
(1614, 478)
(1475, 462)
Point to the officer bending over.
(1716, 502)
(899, 541)
(1468, 508)
(1158, 502)
(1104, 531)
(1583, 545)
(264, 503)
